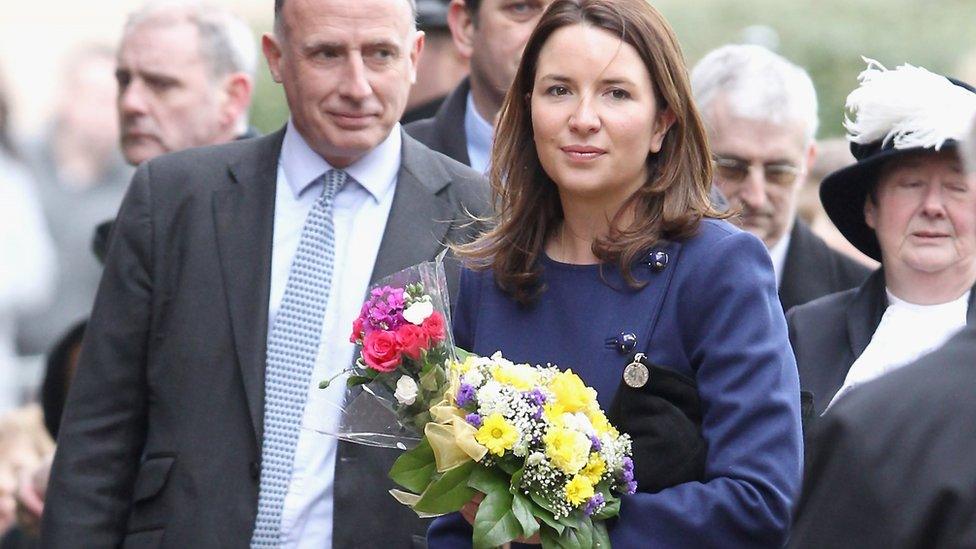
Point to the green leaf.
(601, 538)
(462, 354)
(449, 492)
(495, 524)
(522, 509)
(488, 480)
(414, 469)
(352, 381)
(578, 537)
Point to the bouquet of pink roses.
(401, 370)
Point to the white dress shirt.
(479, 134)
(906, 332)
(778, 255)
(360, 212)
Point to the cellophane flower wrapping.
(404, 347)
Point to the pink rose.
(381, 352)
(434, 326)
(357, 330)
(412, 339)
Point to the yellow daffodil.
(571, 393)
(497, 434)
(567, 449)
(594, 468)
(520, 376)
(579, 490)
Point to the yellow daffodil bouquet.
(534, 441)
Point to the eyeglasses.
(734, 170)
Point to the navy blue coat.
(711, 314)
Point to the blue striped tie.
(292, 351)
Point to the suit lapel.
(449, 124)
(244, 223)
(865, 312)
(419, 218)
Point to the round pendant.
(635, 375)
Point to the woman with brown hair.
(607, 258)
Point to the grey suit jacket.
(160, 442)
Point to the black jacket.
(891, 465)
(813, 269)
(828, 335)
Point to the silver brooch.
(636, 374)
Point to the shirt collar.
(479, 131)
(778, 255)
(375, 172)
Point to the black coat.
(891, 465)
(162, 431)
(828, 335)
(813, 269)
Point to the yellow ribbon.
(451, 437)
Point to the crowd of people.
(188, 280)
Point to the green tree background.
(827, 37)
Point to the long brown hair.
(669, 205)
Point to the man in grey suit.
(175, 429)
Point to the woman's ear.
(663, 122)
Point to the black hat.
(897, 112)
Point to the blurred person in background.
(909, 204)
(185, 78)
(27, 260)
(81, 177)
(441, 65)
(185, 73)
(24, 444)
(833, 154)
(490, 34)
(890, 465)
(760, 111)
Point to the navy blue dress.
(713, 314)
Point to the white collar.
(375, 171)
(778, 254)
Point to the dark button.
(626, 342)
(255, 470)
(658, 260)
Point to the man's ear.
(238, 88)
(272, 52)
(461, 23)
(416, 50)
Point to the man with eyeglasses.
(761, 114)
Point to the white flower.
(473, 378)
(406, 390)
(536, 458)
(418, 312)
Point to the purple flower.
(628, 475)
(465, 395)
(384, 309)
(631, 487)
(473, 419)
(593, 504)
(595, 441)
(536, 396)
(628, 464)
(537, 414)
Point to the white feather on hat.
(910, 105)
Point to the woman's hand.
(470, 510)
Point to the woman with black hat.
(908, 203)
